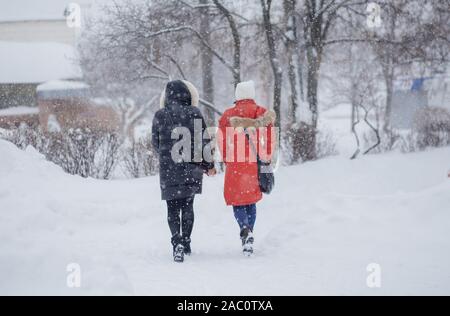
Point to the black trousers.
(181, 228)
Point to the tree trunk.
(314, 37)
(207, 65)
(236, 40)
(313, 86)
(388, 71)
(300, 60)
(291, 45)
(274, 62)
(388, 110)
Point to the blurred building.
(36, 45)
(39, 69)
(411, 95)
(67, 105)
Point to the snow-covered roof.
(46, 10)
(37, 62)
(57, 85)
(32, 10)
(62, 89)
(19, 110)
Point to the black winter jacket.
(183, 178)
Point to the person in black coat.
(178, 135)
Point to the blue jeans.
(245, 215)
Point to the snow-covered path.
(316, 234)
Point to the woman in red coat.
(246, 120)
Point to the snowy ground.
(316, 234)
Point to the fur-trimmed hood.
(263, 121)
(181, 91)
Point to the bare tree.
(292, 51)
(236, 40)
(412, 34)
(144, 44)
(131, 113)
(277, 70)
(207, 61)
(318, 19)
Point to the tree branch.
(198, 35)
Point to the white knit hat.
(245, 90)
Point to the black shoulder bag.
(265, 171)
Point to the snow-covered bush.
(392, 140)
(140, 159)
(432, 126)
(24, 136)
(74, 151)
(83, 152)
(325, 145)
(77, 151)
(299, 142)
(108, 155)
(408, 142)
(3, 133)
(303, 143)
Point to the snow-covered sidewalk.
(316, 234)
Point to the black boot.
(187, 246)
(178, 253)
(178, 248)
(247, 241)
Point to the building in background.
(24, 66)
(40, 78)
(412, 95)
(36, 46)
(67, 105)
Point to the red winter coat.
(241, 177)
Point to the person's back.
(179, 179)
(181, 176)
(241, 189)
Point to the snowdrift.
(316, 234)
